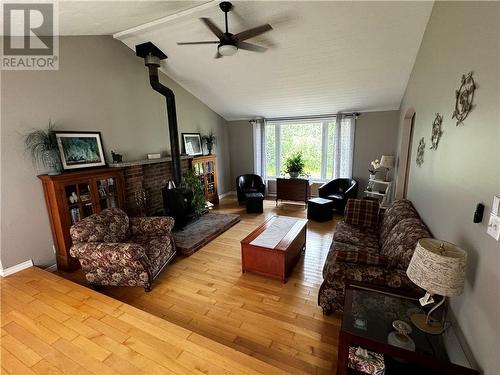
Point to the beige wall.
(465, 169)
(376, 135)
(240, 149)
(101, 85)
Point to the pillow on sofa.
(401, 241)
(362, 213)
(399, 210)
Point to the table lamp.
(387, 162)
(438, 267)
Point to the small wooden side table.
(293, 189)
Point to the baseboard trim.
(227, 194)
(18, 267)
(52, 268)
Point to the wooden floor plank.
(204, 300)
(49, 331)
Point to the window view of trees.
(293, 137)
(305, 138)
(271, 151)
(316, 140)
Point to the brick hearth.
(149, 177)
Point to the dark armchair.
(249, 183)
(339, 191)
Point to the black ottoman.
(254, 203)
(320, 209)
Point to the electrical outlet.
(494, 227)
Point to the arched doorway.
(405, 154)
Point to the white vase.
(51, 161)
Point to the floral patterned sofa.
(114, 249)
(370, 248)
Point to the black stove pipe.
(152, 56)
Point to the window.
(326, 145)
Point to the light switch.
(495, 209)
(494, 227)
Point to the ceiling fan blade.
(244, 35)
(188, 43)
(217, 55)
(251, 47)
(213, 27)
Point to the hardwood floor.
(51, 325)
(277, 323)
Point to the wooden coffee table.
(274, 247)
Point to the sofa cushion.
(350, 234)
(362, 213)
(401, 241)
(110, 225)
(361, 257)
(158, 249)
(399, 210)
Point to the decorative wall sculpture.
(464, 98)
(420, 152)
(436, 131)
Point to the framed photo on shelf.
(192, 144)
(80, 149)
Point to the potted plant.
(210, 141)
(192, 182)
(41, 144)
(294, 165)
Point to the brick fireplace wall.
(148, 179)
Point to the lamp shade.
(387, 161)
(438, 267)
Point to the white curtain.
(259, 147)
(343, 149)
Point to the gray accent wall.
(465, 169)
(240, 149)
(101, 85)
(376, 135)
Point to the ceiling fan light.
(227, 50)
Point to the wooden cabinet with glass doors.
(204, 167)
(70, 197)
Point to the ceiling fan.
(228, 44)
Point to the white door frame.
(405, 154)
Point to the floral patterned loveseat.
(114, 249)
(371, 249)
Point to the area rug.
(200, 232)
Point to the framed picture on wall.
(192, 144)
(80, 149)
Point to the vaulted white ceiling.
(323, 56)
(108, 17)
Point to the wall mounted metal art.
(420, 152)
(464, 97)
(436, 131)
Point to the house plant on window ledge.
(41, 144)
(294, 165)
(210, 140)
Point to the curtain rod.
(347, 114)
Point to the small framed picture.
(192, 144)
(80, 149)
